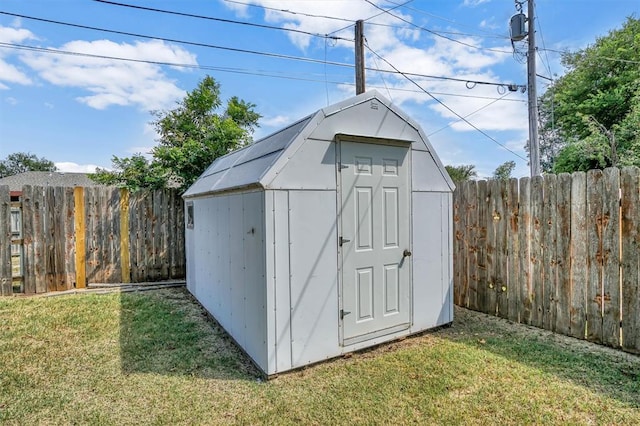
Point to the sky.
(66, 93)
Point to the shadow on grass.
(166, 332)
(602, 370)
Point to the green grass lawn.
(155, 358)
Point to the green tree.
(590, 114)
(20, 162)
(135, 172)
(504, 170)
(461, 173)
(191, 136)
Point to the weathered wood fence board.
(630, 214)
(76, 236)
(559, 252)
(6, 286)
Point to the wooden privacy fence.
(560, 252)
(75, 236)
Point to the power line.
(446, 106)
(238, 50)
(228, 21)
(436, 33)
(404, 27)
(260, 73)
(292, 12)
(374, 16)
(450, 21)
(470, 114)
(190, 43)
(378, 24)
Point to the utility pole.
(360, 57)
(534, 145)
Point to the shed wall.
(227, 266)
(432, 260)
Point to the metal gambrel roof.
(256, 165)
(246, 166)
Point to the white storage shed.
(331, 235)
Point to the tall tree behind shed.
(589, 114)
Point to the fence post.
(80, 237)
(124, 236)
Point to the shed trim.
(343, 137)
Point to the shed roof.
(16, 182)
(256, 165)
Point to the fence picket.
(458, 256)
(6, 282)
(524, 253)
(537, 242)
(594, 250)
(549, 239)
(513, 250)
(630, 183)
(472, 223)
(563, 254)
(481, 248)
(491, 252)
(579, 256)
(611, 258)
(501, 199)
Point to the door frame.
(338, 139)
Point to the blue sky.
(79, 111)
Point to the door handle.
(406, 253)
(343, 240)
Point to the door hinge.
(343, 313)
(343, 240)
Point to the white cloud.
(474, 3)
(276, 121)
(70, 167)
(489, 24)
(9, 72)
(11, 100)
(113, 82)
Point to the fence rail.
(74, 236)
(560, 253)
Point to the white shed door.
(375, 243)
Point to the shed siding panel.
(283, 295)
(221, 241)
(296, 173)
(255, 311)
(270, 280)
(236, 252)
(426, 174)
(313, 260)
(430, 275)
